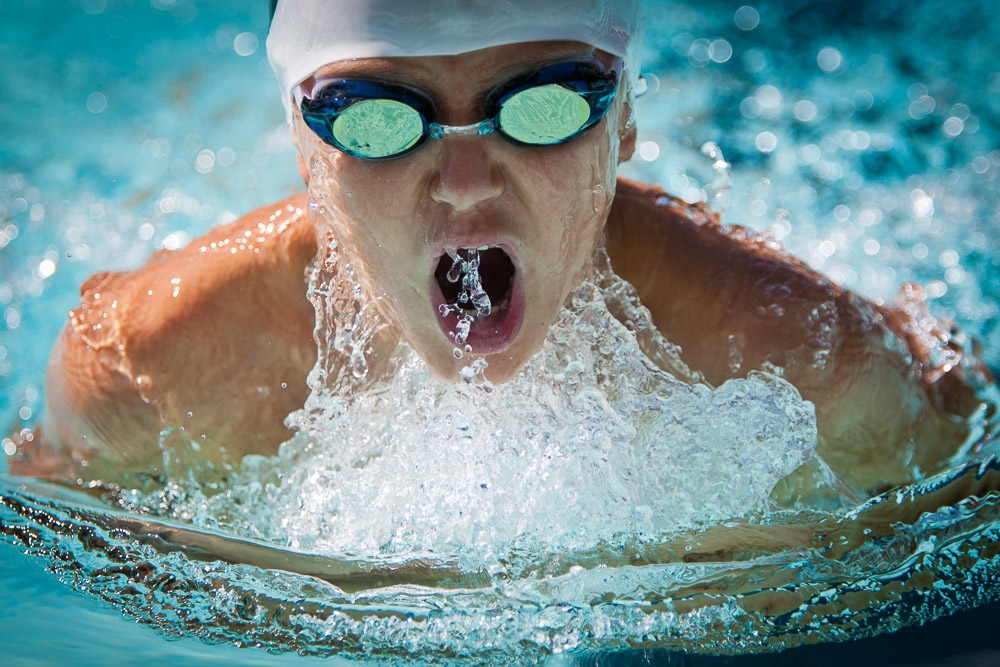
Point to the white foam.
(590, 442)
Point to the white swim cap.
(308, 34)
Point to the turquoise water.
(863, 134)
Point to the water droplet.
(455, 272)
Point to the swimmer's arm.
(734, 304)
(212, 342)
(887, 418)
(94, 420)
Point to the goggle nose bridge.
(482, 128)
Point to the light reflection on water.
(863, 135)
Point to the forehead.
(471, 68)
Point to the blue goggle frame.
(588, 78)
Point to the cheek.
(370, 213)
(340, 188)
(581, 186)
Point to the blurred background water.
(864, 135)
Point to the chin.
(501, 366)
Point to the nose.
(468, 174)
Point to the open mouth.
(496, 271)
(498, 276)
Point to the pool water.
(863, 135)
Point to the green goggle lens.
(544, 115)
(378, 128)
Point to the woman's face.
(539, 209)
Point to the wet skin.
(544, 207)
(216, 339)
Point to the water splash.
(591, 443)
(717, 192)
(466, 269)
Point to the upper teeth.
(453, 252)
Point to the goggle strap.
(483, 128)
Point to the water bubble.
(46, 268)
(863, 100)
(770, 100)
(746, 18)
(948, 259)
(915, 91)
(953, 126)
(12, 316)
(829, 59)
(922, 107)
(468, 374)
(955, 275)
(245, 44)
(718, 190)
(649, 151)
(97, 102)
(766, 142)
(226, 156)
(462, 328)
(754, 61)
(923, 206)
(94, 7)
(205, 161)
(699, 53)
(804, 110)
(455, 272)
(720, 51)
(174, 240)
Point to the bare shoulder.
(731, 299)
(735, 301)
(219, 327)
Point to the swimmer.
(491, 130)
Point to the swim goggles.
(376, 120)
